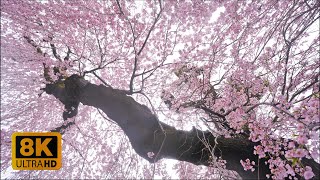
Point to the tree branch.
(147, 134)
(61, 129)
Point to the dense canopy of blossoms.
(231, 67)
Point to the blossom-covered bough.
(147, 134)
(244, 75)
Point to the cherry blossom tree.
(229, 89)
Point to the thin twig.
(105, 83)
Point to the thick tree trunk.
(146, 133)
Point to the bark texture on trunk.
(146, 133)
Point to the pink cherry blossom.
(308, 174)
